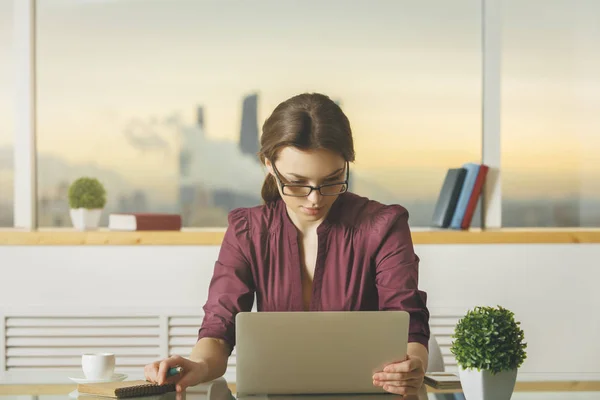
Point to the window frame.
(25, 150)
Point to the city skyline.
(125, 198)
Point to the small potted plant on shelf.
(489, 349)
(87, 198)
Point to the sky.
(407, 74)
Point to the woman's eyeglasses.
(327, 189)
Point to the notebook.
(124, 389)
(442, 380)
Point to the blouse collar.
(332, 217)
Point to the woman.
(311, 246)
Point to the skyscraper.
(190, 170)
(200, 118)
(190, 152)
(249, 143)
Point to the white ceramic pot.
(435, 362)
(84, 219)
(483, 385)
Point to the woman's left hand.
(405, 377)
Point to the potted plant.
(489, 348)
(87, 198)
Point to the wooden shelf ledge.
(214, 237)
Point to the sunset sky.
(408, 75)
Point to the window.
(163, 101)
(6, 115)
(550, 108)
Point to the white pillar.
(491, 143)
(25, 172)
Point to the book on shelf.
(474, 196)
(465, 193)
(448, 197)
(459, 195)
(144, 222)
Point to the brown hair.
(307, 121)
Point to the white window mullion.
(25, 170)
(491, 143)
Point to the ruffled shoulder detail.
(239, 222)
(371, 216)
(384, 217)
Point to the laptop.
(316, 352)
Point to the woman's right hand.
(193, 373)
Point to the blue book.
(465, 193)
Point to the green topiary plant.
(87, 193)
(489, 338)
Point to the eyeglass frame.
(283, 185)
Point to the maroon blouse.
(365, 262)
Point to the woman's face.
(314, 168)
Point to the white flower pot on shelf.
(483, 385)
(84, 219)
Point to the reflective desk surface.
(221, 390)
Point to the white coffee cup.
(98, 365)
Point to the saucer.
(114, 378)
